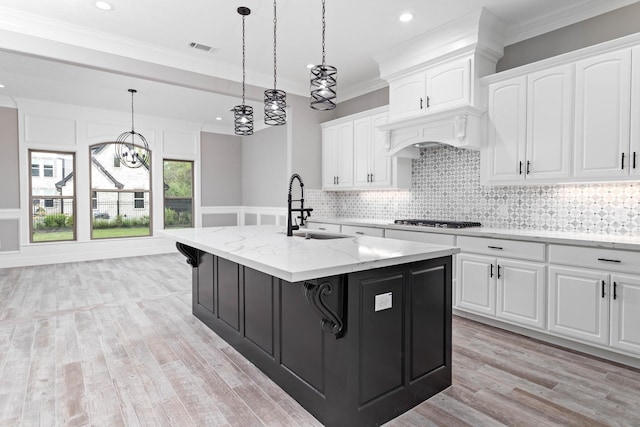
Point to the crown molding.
(562, 18)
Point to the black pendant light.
(243, 114)
(323, 80)
(131, 147)
(275, 101)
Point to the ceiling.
(70, 51)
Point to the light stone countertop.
(609, 241)
(266, 248)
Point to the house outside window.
(48, 171)
(52, 200)
(120, 196)
(178, 193)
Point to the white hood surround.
(467, 49)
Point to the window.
(138, 200)
(178, 193)
(53, 201)
(120, 196)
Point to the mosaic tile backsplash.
(446, 185)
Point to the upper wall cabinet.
(571, 118)
(426, 91)
(368, 164)
(529, 136)
(337, 156)
(603, 111)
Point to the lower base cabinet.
(595, 306)
(509, 289)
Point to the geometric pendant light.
(131, 147)
(243, 114)
(323, 80)
(275, 101)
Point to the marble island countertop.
(266, 248)
(610, 241)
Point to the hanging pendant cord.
(132, 112)
(323, 30)
(275, 26)
(243, 64)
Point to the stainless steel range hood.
(477, 38)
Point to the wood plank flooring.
(113, 342)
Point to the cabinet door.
(507, 130)
(549, 123)
(448, 85)
(603, 85)
(635, 113)
(520, 292)
(406, 96)
(362, 133)
(625, 312)
(344, 155)
(579, 303)
(476, 286)
(329, 156)
(380, 162)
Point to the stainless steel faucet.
(290, 209)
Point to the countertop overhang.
(266, 248)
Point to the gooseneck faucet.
(290, 209)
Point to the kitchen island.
(356, 329)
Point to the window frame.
(39, 198)
(131, 190)
(164, 198)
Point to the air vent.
(200, 46)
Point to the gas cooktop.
(436, 223)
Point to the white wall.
(69, 128)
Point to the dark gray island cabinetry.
(355, 348)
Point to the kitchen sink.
(319, 236)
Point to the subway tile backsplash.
(446, 185)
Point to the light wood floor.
(113, 342)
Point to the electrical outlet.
(383, 301)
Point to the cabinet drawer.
(419, 236)
(600, 259)
(352, 230)
(502, 248)
(333, 228)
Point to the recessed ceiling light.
(218, 118)
(406, 17)
(103, 5)
(311, 65)
(1, 85)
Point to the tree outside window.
(178, 193)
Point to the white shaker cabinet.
(579, 303)
(625, 312)
(530, 133)
(372, 166)
(503, 279)
(603, 102)
(337, 156)
(430, 90)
